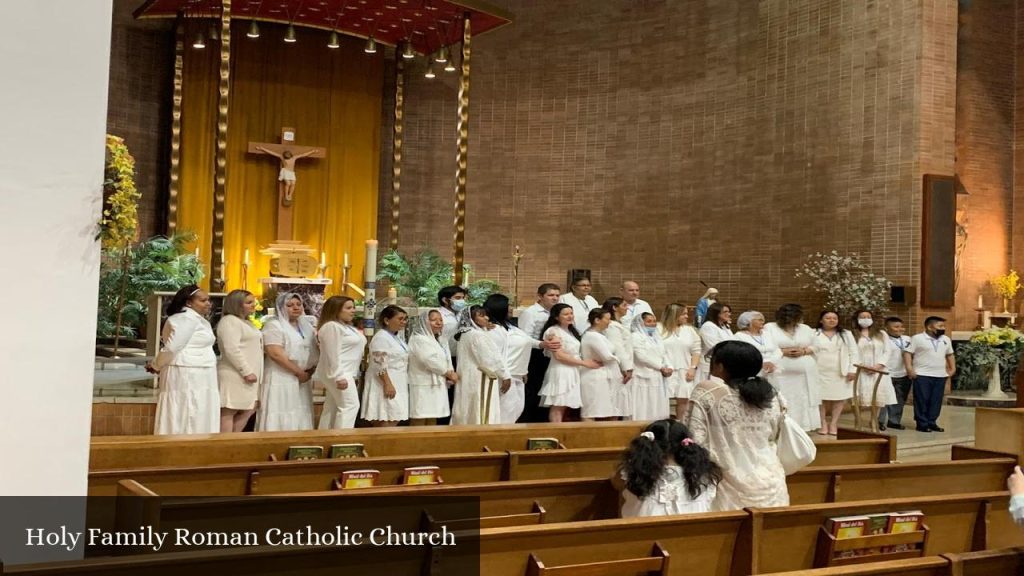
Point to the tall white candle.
(323, 258)
(980, 302)
(371, 261)
(246, 259)
(222, 257)
(197, 252)
(346, 259)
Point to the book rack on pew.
(831, 550)
(656, 564)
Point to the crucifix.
(288, 153)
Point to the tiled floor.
(914, 446)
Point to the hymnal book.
(305, 452)
(843, 527)
(902, 522)
(359, 479)
(347, 451)
(543, 444)
(877, 524)
(422, 475)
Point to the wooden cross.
(287, 153)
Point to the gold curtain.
(333, 100)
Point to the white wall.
(54, 62)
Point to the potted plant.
(419, 277)
(996, 350)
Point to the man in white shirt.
(929, 362)
(533, 318)
(581, 301)
(452, 300)
(898, 372)
(631, 296)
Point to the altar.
(311, 290)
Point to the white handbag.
(795, 447)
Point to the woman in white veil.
(286, 397)
(651, 365)
(430, 370)
(483, 373)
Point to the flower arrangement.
(120, 221)
(975, 359)
(256, 318)
(1006, 286)
(847, 283)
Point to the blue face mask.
(650, 330)
(458, 305)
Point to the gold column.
(396, 170)
(462, 155)
(220, 175)
(175, 186)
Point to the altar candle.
(245, 259)
(222, 257)
(197, 252)
(392, 293)
(371, 261)
(980, 304)
(346, 259)
(323, 258)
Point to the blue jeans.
(928, 392)
(902, 386)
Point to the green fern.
(422, 276)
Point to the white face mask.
(458, 305)
(865, 322)
(650, 330)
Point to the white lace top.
(669, 497)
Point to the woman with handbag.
(738, 417)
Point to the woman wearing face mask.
(875, 350)
(836, 353)
(341, 353)
(561, 389)
(483, 374)
(188, 401)
(651, 366)
(430, 370)
(386, 390)
(715, 329)
(286, 398)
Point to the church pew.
(130, 452)
(926, 566)
(121, 452)
(987, 562)
(785, 537)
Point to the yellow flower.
(1006, 285)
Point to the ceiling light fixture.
(450, 65)
(371, 46)
(407, 51)
(430, 70)
(333, 41)
(199, 42)
(254, 30)
(289, 34)
(441, 56)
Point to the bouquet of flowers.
(847, 283)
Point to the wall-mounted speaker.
(903, 295)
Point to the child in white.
(664, 472)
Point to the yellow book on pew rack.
(422, 475)
(543, 444)
(305, 452)
(359, 479)
(347, 451)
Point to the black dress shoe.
(920, 429)
(881, 427)
(896, 426)
(936, 429)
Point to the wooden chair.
(879, 374)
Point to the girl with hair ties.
(715, 329)
(796, 374)
(751, 330)
(682, 343)
(737, 415)
(430, 370)
(188, 401)
(836, 353)
(240, 368)
(561, 389)
(622, 346)
(651, 368)
(599, 387)
(341, 353)
(483, 374)
(386, 388)
(289, 340)
(666, 472)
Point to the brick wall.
(139, 104)
(671, 142)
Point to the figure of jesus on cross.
(287, 153)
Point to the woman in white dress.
(737, 416)
(483, 374)
(386, 384)
(715, 329)
(665, 472)
(188, 401)
(341, 353)
(683, 344)
(651, 367)
(796, 374)
(561, 389)
(517, 347)
(430, 370)
(599, 387)
(240, 367)
(874, 349)
(751, 330)
(622, 347)
(836, 353)
(286, 397)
